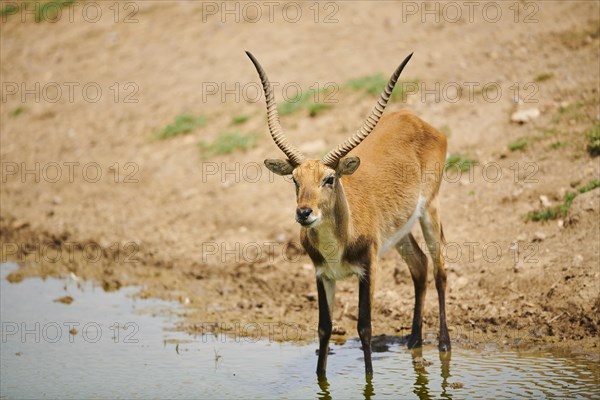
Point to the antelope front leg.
(325, 292)
(365, 301)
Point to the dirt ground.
(88, 190)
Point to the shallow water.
(105, 360)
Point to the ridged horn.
(281, 141)
(334, 156)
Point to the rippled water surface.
(120, 349)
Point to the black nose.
(303, 213)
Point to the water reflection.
(421, 387)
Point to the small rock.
(523, 116)
(19, 223)
(544, 200)
(538, 237)
(577, 260)
(56, 200)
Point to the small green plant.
(49, 11)
(310, 100)
(17, 111)
(544, 76)
(316, 108)
(556, 145)
(9, 9)
(560, 210)
(240, 119)
(227, 142)
(374, 85)
(463, 163)
(593, 140)
(519, 144)
(184, 123)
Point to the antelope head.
(318, 184)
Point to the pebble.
(523, 116)
(538, 236)
(577, 260)
(544, 200)
(19, 223)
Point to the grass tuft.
(463, 163)
(226, 143)
(17, 111)
(374, 85)
(309, 100)
(593, 138)
(49, 11)
(560, 210)
(240, 119)
(519, 144)
(184, 123)
(9, 9)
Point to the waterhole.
(70, 339)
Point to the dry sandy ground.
(209, 232)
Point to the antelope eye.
(329, 180)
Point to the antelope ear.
(347, 165)
(279, 166)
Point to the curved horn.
(290, 151)
(334, 156)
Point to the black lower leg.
(440, 284)
(364, 320)
(325, 328)
(416, 336)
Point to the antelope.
(360, 200)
